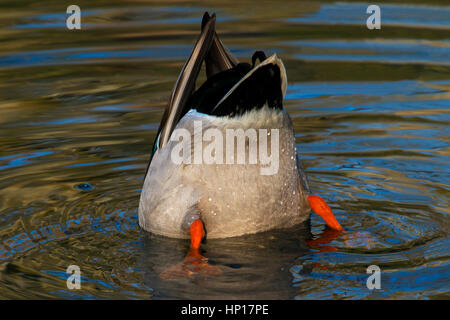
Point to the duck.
(191, 190)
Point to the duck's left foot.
(194, 263)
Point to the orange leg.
(194, 263)
(319, 206)
(197, 233)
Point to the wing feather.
(185, 84)
(219, 58)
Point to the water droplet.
(84, 187)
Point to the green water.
(79, 111)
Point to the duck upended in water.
(188, 198)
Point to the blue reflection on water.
(19, 160)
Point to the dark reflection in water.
(253, 266)
(79, 111)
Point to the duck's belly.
(241, 202)
(232, 199)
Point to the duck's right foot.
(319, 206)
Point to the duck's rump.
(231, 199)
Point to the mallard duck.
(204, 194)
